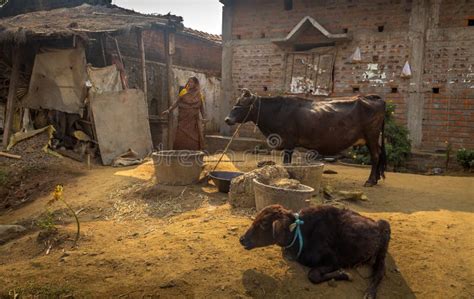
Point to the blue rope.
(298, 222)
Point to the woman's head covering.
(195, 81)
(194, 94)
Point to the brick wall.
(198, 54)
(254, 17)
(455, 13)
(448, 64)
(190, 52)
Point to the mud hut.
(83, 69)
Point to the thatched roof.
(80, 20)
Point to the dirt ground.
(139, 239)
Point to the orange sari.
(189, 134)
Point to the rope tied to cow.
(233, 136)
(296, 226)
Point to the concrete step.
(216, 143)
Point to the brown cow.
(327, 127)
(324, 238)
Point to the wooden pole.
(11, 98)
(121, 67)
(169, 81)
(141, 47)
(118, 50)
(102, 47)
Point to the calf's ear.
(281, 231)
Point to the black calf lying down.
(325, 239)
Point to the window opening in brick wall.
(375, 58)
(355, 89)
(394, 90)
(470, 22)
(345, 30)
(435, 89)
(288, 4)
(310, 72)
(380, 28)
(262, 35)
(238, 36)
(265, 88)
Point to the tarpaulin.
(121, 123)
(58, 81)
(105, 79)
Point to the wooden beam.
(169, 82)
(11, 98)
(141, 47)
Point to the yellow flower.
(57, 194)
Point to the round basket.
(178, 167)
(295, 200)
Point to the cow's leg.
(287, 154)
(322, 274)
(374, 150)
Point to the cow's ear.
(280, 231)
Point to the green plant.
(360, 155)
(465, 158)
(397, 143)
(47, 222)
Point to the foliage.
(47, 222)
(360, 155)
(33, 290)
(397, 143)
(465, 158)
(3, 2)
(3, 178)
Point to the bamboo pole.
(169, 83)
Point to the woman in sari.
(189, 134)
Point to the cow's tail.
(382, 165)
(378, 269)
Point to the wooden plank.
(141, 47)
(11, 98)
